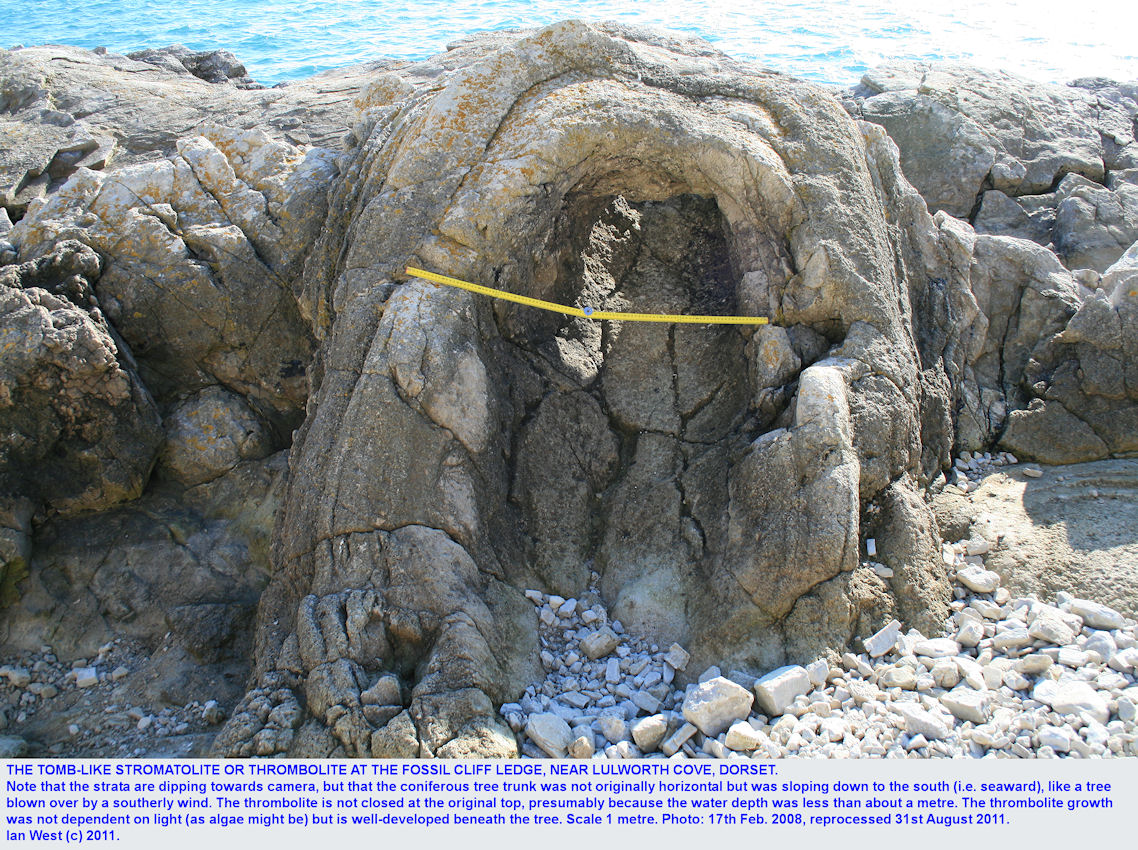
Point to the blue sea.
(821, 40)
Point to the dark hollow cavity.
(621, 462)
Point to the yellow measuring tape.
(586, 312)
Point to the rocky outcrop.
(529, 169)
(713, 485)
(197, 254)
(1084, 387)
(213, 66)
(79, 430)
(154, 358)
(1053, 164)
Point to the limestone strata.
(230, 262)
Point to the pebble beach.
(1008, 678)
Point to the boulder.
(78, 430)
(213, 66)
(209, 434)
(937, 648)
(1095, 614)
(551, 733)
(883, 640)
(582, 747)
(1072, 697)
(898, 676)
(714, 705)
(978, 579)
(743, 737)
(775, 691)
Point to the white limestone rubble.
(1012, 678)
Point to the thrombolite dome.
(240, 276)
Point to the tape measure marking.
(586, 312)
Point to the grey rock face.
(448, 450)
(1052, 164)
(931, 136)
(80, 432)
(980, 126)
(213, 66)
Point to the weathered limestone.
(775, 691)
(649, 732)
(599, 643)
(978, 579)
(966, 704)
(628, 447)
(79, 429)
(198, 254)
(715, 704)
(961, 129)
(212, 292)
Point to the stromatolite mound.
(451, 451)
(712, 476)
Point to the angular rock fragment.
(677, 657)
(551, 733)
(775, 691)
(581, 747)
(978, 579)
(599, 643)
(883, 640)
(1067, 697)
(713, 705)
(742, 737)
(678, 738)
(649, 732)
(898, 676)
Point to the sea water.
(821, 40)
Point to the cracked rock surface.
(243, 402)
